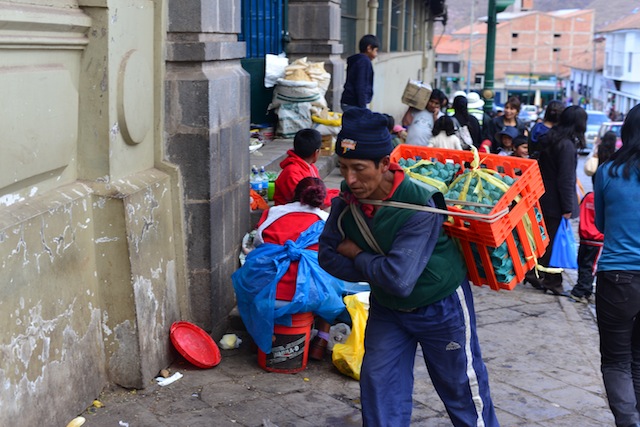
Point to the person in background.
(475, 106)
(444, 135)
(558, 161)
(358, 86)
(617, 203)
(419, 123)
(462, 118)
(600, 153)
(520, 147)
(419, 290)
(299, 163)
(398, 133)
(551, 117)
(509, 118)
(591, 239)
(505, 140)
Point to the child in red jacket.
(299, 164)
(591, 241)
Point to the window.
(380, 30)
(514, 35)
(557, 35)
(408, 22)
(514, 49)
(394, 31)
(556, 49)
(630, 62)
(348, 26)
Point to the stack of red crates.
(521, 200)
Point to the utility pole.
(471, 21)
(495, 6)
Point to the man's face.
(433, 105)
(362, 176)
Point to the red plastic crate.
(525, 191)
(533, 248)
(521, 200)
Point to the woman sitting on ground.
(281, 276)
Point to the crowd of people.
(420, 293)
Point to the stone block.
(224, 162)
(217, 226)
(194, 103)
(314, 21)
(182, 16)
(230, 241)
(198, 235)
(191, 152)
(221, 16)
(200, 297)
(194, 50)
(239, 152)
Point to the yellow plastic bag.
(347, 357)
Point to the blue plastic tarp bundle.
(256, 281)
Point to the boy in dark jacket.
(358, 87)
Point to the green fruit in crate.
(507, 180)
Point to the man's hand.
(348, 249)
(436, 113)
(567, 215)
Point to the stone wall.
(207, 129)
(91, 241)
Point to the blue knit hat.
(364, 135)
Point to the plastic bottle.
(255, 181)
(265, 183)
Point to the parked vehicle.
(528, 114)
(605, 127)
(595, 119)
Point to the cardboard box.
(416, 94)
(328, 145)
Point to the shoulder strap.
(489, 218)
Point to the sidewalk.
(541, 352)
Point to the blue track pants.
(446, 331)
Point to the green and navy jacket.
(420, 264)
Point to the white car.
(595, 119)
(528, 114)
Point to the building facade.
(622, 62)
(124, 177)
(532, 54)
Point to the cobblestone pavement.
(541, 352)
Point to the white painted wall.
(391, 73)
